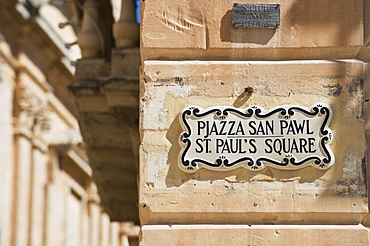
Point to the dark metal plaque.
(256, 15)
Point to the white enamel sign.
(285, 137)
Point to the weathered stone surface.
(108, 117)
(125, 62)
(203, 30)
(91, 68)
(168, 195)
(155, 235)
(367, 100)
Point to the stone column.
(53, 215)
(55, 197)
(22, 192)
(38, 193)
(31, 124)
(73, 219)
(126, 30)
(85, 221)
(90, 38)
(24, 122)
(193, 56)
(94, 215)
(104, 229)
(7, 151)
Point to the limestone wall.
(191, 55)
(202, 30)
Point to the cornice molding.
(28, 37)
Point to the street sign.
(286, 137)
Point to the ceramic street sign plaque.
(256, 15)
(225, 138)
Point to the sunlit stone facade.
(200, 54)
(48, 196)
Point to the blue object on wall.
(137, 3)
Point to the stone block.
(167, 194)
(212, 235)
(203, 30)
(367, 99)
(125, 61)
(91, 68)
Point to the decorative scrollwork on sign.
(225, 138)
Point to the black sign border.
(326, 137)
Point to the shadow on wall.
(243, 35)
